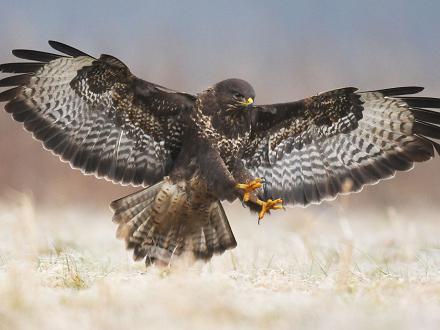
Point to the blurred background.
(287, 49)
(369, 260)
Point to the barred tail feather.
(161, 222)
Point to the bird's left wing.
(336, 142)
(95, 114)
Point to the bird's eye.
(238, 95)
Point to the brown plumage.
(193, 151)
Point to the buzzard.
(189, 152)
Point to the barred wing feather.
(337, 142)
(95, 114)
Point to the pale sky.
(296, 46)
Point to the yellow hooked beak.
(249, 101)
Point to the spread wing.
(338, 141)
(95, 114)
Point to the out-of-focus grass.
(315, 268)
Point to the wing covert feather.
(337, 142)
(95, 114)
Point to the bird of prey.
(190, 152)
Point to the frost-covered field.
(316, 268)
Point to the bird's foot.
(249, 187)
(268, 205)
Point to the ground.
(324, 267)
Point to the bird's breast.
(228, 134)
(231, 148)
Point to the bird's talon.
(249, 187)
(268, 205)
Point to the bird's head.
(234, 94)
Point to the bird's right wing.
(95, 114)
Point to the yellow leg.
(249, 187)
(268, 205)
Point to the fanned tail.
(160, 222)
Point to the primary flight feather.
(193, 151)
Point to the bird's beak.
(248, 102)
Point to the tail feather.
(131, 211)
(163, 221)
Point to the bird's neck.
(224, 119)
